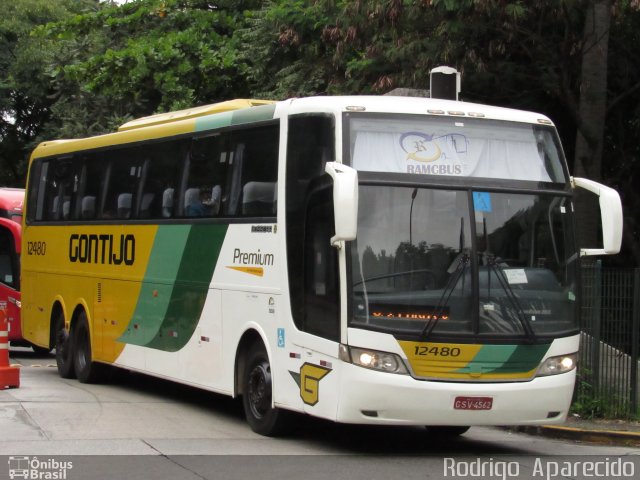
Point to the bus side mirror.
(611, 213)
(345, 201)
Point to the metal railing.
(610, 324)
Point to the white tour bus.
(374, 260)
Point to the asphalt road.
(140, 427)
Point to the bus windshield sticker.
(515, 275)
(482, 201)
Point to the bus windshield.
(414, 270)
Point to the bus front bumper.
(371, 397)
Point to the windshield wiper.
(515, 303)
(460, 262)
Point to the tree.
(24, 85)
(143, 57)
(548, 56)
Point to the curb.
(603, 437)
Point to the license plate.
(473, 403)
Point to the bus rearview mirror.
(345, 201)
(611, 213)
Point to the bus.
(363, 259)
(11, 204)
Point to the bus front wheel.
(86, 370)
(64, 355)
(262, 416)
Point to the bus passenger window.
(122, 183)
(208, 164)
(253, 187)
(60, 181)
(164, 163)
(91, 176)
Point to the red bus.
(11, 203)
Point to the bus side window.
(36, 190)
(205, 179)
(122, 185)
(162, 170)
(91, 185)
(61, 184)
(253, 181)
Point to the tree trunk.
(592, 111)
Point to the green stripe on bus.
(158, 284)
(523, 359)
(253, 114)
(214, 121)
(191, 287)
(236, 117)
(506, 359)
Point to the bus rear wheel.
(261, 416)
(64, 350)
(86, 370)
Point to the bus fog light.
(556, 365)
(383, 361)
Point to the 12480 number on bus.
(421, 350)
(36, 248)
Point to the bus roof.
(210, 116)
(177, 115)
(414, 105)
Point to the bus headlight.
(556, 365)
(373, 359)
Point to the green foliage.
(586, 403)
(24, 86)
(143, 57)
(338, 46)
(82, 67)
(591, 404)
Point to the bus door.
(312, 264)
(320, 316)
(10, 239)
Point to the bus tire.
(262, 417)
(448, 430)
(64, 349)
(86, 369)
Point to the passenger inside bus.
(202, 202)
